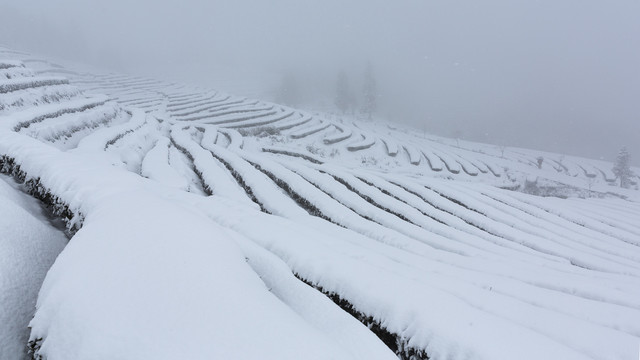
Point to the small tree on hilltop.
(370, 92)
(622, 168)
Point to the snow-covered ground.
(28, 246)
(213, 226)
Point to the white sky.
(559, 75)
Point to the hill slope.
(202, 219)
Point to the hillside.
(206, 225)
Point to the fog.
(556, 75)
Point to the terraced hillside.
(210, 226)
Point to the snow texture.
(29, 244)
(212, 226)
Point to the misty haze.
(300, 179)
(562, 76)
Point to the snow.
(29, 244)
(156, 166)
(189, 264)
(193, 289)
(374, 285)
(10, 85)
(195, 237)
(214, 176)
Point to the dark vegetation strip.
(203, 184)
(338, 201)
(402, 201)
(6, 88)
(451, 170)
(456, 201)
(181, 96)
(224, 110)
(532, 247)
(117, 138)
(56, 207)
(548, 212)
(299, 199)
(446, 211)
(361, 145)
(4, 65)
(240, 180)
(207, 105)
(388, 147)
(336, 139)
(431, 165)
(369, 199)
(190, 101)
(396, 343)
(34, 187)
(292, 124)
(491, 169)
(72, 110)
(90, 126)
(291, 153)
(412, 161)
(238, 119)
(468, 171)
(263, 122)
(137, 83)
(310, 131)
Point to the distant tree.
(344, 98)
(289, 93)
(539, 161)
(622, 168)
(502, 149)
(370, 92)
(457, 134)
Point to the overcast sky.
(557, 75)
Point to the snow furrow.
(216, 181)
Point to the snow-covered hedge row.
(7, 64)
(178, 289)
(341, 135)
(310, 130)
(293, 153)
(37, 189)
(215, 179)
(36, 97)
(26, 83)
(26, 118)
(395, 342)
